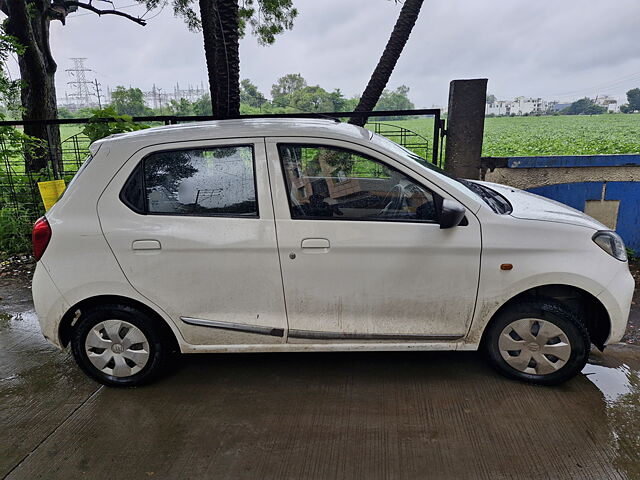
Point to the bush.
(97, 128)
(15, 231)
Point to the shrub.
(98, 128)
(15, 230)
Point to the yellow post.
(51, 192)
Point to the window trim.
(437, 199)
(141, 164)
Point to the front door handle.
(315, 245)
(146, 245)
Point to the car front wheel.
(539, 341)
(118, 345)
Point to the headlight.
(611, 243)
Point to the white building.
(518, 106)
(610, 103)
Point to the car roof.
(241, 128)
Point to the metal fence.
(19, 192)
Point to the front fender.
(489, 303)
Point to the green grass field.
(552, 135)
(508, 136)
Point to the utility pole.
(465, 127)
(95, 82)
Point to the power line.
(603, 86)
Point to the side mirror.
(451, 213)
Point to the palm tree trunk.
(398, 39)
(220, 28)
(209, 35)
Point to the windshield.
(497, 202)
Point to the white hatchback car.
(313, 235)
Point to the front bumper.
(616, 298)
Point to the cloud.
(551, 49)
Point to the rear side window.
(217, 181)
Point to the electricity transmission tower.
(81, 96)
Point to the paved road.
(311, 416)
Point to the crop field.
(509, 136)
(552, 135)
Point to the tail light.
(40, 236)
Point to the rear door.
(363, 256)
(192, 227)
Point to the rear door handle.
(315, 245)
(146, 245)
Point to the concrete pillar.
(465, 127)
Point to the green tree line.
(290, 94)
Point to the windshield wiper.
(497, 202)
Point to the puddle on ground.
(28, 318)
(612, 382)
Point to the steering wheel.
(396, 201)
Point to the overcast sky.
(553, 49)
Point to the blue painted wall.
(629, 213)
(573, 194)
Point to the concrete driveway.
(311, 416)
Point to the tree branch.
(88, 6)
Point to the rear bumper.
(49, 304)
(616, 298)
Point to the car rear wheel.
(540, 341)
(118, 345)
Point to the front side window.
(203, 181)
(333, 183)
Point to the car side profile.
(274, 235)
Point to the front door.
(193, 231)
(363, 257)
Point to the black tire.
(547, 310)
(158, 346)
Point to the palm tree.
(223, 23)
(221, 32)
(398, 39)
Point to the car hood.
(534, 207)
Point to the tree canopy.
(397, 99)
(129, 101)
(285, 86)
(584, 106)
(633, 101)
(250, 95)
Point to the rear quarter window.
(215, 181)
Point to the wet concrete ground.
(362, 415)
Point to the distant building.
(518, 106)
(610, 103)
